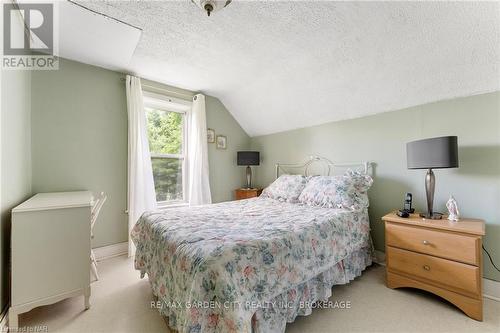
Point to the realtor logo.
(28, 36)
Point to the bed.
(250, 265)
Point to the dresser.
(50, 251)
(246, 193)
(439, 256)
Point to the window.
(166, 127)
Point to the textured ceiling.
(283, 65)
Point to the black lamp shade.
(248, 158)
(433, 153)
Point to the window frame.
(170, 104)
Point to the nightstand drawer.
(447, 274)
(442, 244)
(244, 193)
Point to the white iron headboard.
(328, 166)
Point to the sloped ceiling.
(283, 65)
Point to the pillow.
(360, 183)
(285, 188)
(348, 191)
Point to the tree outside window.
(166, 144)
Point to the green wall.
(79, 139)
(225, 176)
(381, 139)
(15, 142)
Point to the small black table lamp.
(248, 158)
(433, 153)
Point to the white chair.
(96, 208)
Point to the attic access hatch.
(93, 38)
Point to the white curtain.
(197, 154)
(141, 191)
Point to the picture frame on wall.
(221, 142)
(210, 135)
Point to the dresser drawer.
(442, 244)
(447, 274)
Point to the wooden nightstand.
(246, 193)
(438, 256)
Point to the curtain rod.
(163, 89)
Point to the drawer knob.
(427, 268)
(426, 242)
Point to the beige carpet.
(121, 303)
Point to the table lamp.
(433, 153)
(248, 158)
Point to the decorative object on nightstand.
(247, 193)
(433, 153)
(248, 158)
(438, 256)
(454, 214)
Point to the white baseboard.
(491, 288)
(379, 258)
(110, 251)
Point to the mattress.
(213, 268)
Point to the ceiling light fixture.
(211, 5)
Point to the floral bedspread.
(316, 292)
(212, 267)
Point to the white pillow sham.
(286, 188)
(349, 191)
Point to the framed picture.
(210, 135)
(221, 142)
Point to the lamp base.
(249, 177)
(433, 216)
